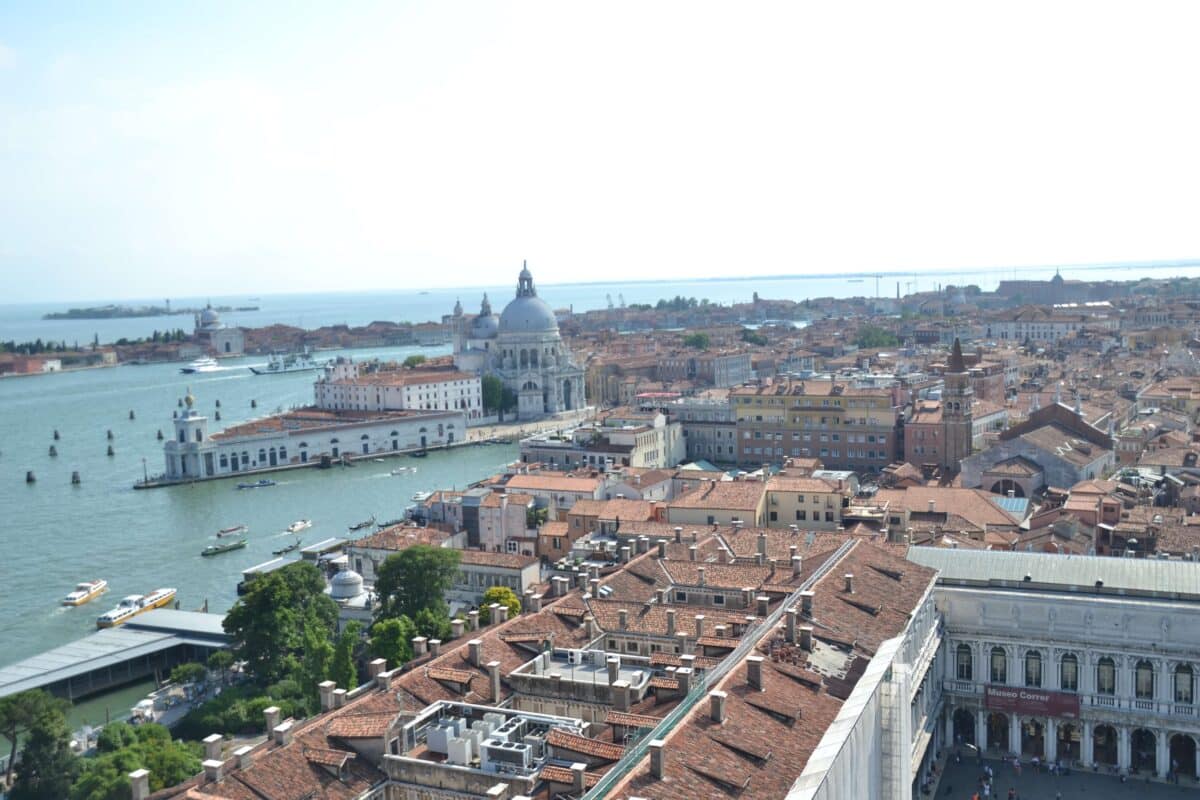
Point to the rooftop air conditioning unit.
(575, 657)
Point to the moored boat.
(232, 530)
(217, 549)
(389, 523)
(421, 497)
(86, 592)
(287, 548)
(299, 525)
(366, 523)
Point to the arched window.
(999, 665)
(1068, 673)
(364, 437)
(1033, 669)
(262, 455)
(1184, 682)
(1143, 680)
(1106, 676)
(182, 436)
(283, 454)
(964, 663)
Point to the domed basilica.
(523, 348)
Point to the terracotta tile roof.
(630, 720)
(724, 576)
(501, 560)
(332, 758)
(360, 726)
(562, 740)
(553, 483)
(461, 676)
(400, 537)
(718, 641)
(725, 495)
(663, 683)
(661, 659)
(556, 774)
(304, 419)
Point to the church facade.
(522, 347)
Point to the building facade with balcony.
(1087, 661)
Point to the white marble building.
(522, 346)
(1088, 660)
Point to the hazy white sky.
(181, 149)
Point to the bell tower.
(958, 415)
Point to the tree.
(508, 399)
(318, 656)
(48, 767)
(698, 341)
(391, 639)
(267, 624)
(433, 623)
(122, 748)
(502, 595)
(873, 336)
(753, 337)
(221, 661)
(190, 672)
(344, 672)
(493, 393)
(415, 578)
(414, 360)
(536, 517)
(19, 712)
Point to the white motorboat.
(204, 364)
(299, 525)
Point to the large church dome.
(527, 313)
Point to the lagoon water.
(54, 535)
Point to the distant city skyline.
(179, 151)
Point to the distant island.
(123, 312)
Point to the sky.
(181, 149)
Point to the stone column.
(1086, 752)
(1162, 752)
(1014, 733)
(981, 729)
(950, 709)
(1123, 759)
(1050, 740)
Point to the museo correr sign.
(1036, 702)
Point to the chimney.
(699, 625)
(685, 644)
(527, 601)
(283, 733)
(716, 706)
(473, 619)
(435, 647)
(662, 548)
(578, 778)
(614, 668)
(670, 622)
(339, 698)
(324, 689)
(623, 618)
(683, 676)
(139, 783)
(243, 756)
(700, 575)
(657, 757)
(692, 552)
(754, 675)
(643, 544)
(501, 614)
(678, 534)
(747, 596)
(475, 652)
(806, 638)
(213, 770)
(932, 506)
(720, 631)
(594, 587)
(375, 667)
(695, 535)
(493, 669)
(625, 554)
(418, 646)
(271, 716)
(535, 603)
(849, 576)
(620, 693)
(762, 544)
(689, 661)
(590, 627)
(456, 628)
(580, 579)
(764, 605)
(797, 566)
(759, 559)
(790, 625)
(212, 746)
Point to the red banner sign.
(1034, 702)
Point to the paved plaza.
(960, 781)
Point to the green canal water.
(54, 534)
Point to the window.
(801, 515)
(680, 597)
(1068, 673)
(718, 599)
(1143, 674)
(1183, 684)
(1106, 676)
(1033, 669)
(224, 461)
(964, 666)
(999, 665)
